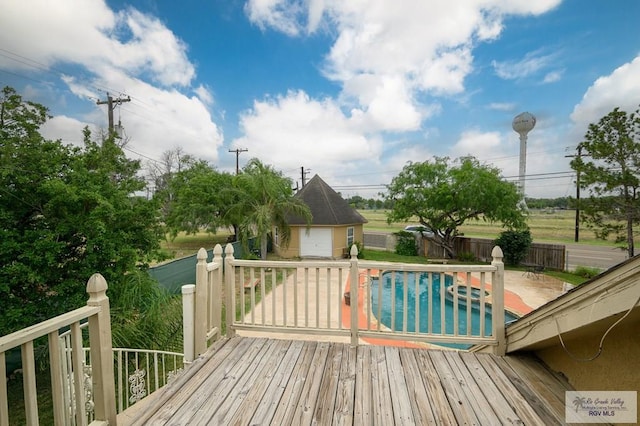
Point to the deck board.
(244, 381)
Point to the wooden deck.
(252, 381)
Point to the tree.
(200, 199)
(444, 195)
(265, 201)
(609, 169)
(65, 213)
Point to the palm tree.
(266, 201)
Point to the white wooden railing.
(102, 384)
(309, 297)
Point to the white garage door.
(315, 242)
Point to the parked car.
(419, 229)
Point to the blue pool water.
(422, 295)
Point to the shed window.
(350, 234)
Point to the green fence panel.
(173, 275)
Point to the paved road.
(593, 256)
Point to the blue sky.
(351, 90)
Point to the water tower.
(523, 123)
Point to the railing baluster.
(4, 404)
(329, 298)
(317, 301)
(285, 278)
(274, 287)
(78, 357)
(482, 304)
(295, 297)
(469, 305)
(306, 297)
(242, 295)
(416, 308)
(380, 285)
(252, 292)
(405, 301)
(393, 300)
(456, 320)
(443, 292)
(29, 383)
(55, 367)
(430, 316)
(263, 283)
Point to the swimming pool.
(387, 299)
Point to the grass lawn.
(556, 226)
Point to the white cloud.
(502, 106)
(619, 89)
(553, 77)
(294, 130)
(124, 52)
(388, 55)
(481, 145)
(282, 15)
(529, 65)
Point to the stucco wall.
(339, 240)
(617, 368)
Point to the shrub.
(360, 248)
(406, 244)
(466, 256)
(514, 245)
(586, 272)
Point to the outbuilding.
(334, 227)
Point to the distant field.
(546, 226)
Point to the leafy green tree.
(200, 199)
(265, 201)
(443, 195)
(609, 169)
(65, 213)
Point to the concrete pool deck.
(524, 292)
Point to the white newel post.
(200, 323)
(216, 289)
(188, 321)
(104, 390)
(229, 290)
(497, 297)
(353, 296)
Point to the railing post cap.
(496, 253)
(96, 284)
(188, 288)
(217, 250)
(228, 250)
(202, 254)
(354, 251)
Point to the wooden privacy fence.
(551, 256)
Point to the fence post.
(188, 319)
(104, 391)
(497, 300)
(216, 289)
(353, 289)
(202, 289)
(229, 291)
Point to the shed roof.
(326, 205)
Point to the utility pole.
(304, 175)
(238, 151)
(577, 232)
(111, 104)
